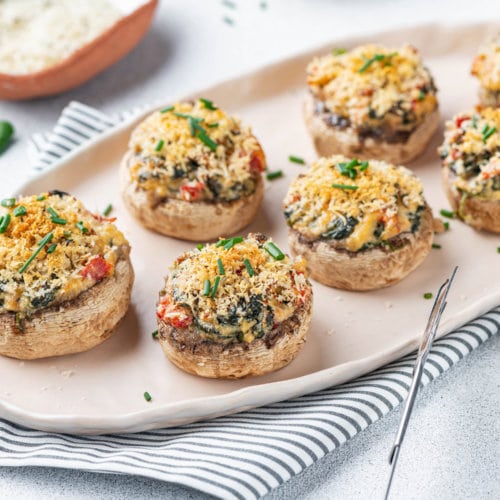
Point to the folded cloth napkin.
(241, 456)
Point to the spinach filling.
(340, 228)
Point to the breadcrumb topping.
(471, 149)
(195, 152)
(486, 65)
(374, 87)
(82, 250)
(354, 204)
(255, 292)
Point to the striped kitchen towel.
(241, 456)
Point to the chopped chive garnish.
(249, 267)
(159, 145)
(155, 334)
(4, 223)
(58, 220)
(221, 243)
(46, 239)
(338, 51)
(376, 57)
(421, 95)
(228, 20)
(349, 169)
(41, 197)
(147, 396)
(427, 295)
(52, 248)
(206, 288)
(363, 166)
(8, 202)
(212, 125)
(274, 251)
(202, 135)
(498, 249)
(345, 186)
(230, 4)
(353, 163)
(81, 226)
(167, 109)
(20, 210)
(489, 132)
(232, 241)
(107, 210)
(447, 213)
(216, 285)
(474, 121)
(485, 129)
(208, 104)
(52, 212)
(274, 175)
(296, 159)
(199, 246)
(446, 225)
(220, 266)
(435, 245)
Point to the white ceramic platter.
(101, 391)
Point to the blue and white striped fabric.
(241, 456)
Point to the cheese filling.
(195, 152)
(471, 149)
(379, 92)
(234, 290)
(51, 250)
(354, 204)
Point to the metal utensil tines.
(423, 351)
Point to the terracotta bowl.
(86, 62)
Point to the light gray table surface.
(452, 448)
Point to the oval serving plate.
(101, 391)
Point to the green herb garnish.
(8, 202)
(4, 223)
(232, 241)
(488, 132)
(206, 288)
(363, 166)
(52, 248)
(428, 295)
(41, 197)
(249, 267)
(446, 225)
(421, 95)
(20, 210)
(198, 131)
(447, 213)
(46, 239)
(208, 104)
(377, 57)
(296, 159)
(349, 169)
(167, 109)
(202, 135)
(273, 251)
(220, 266)
(155, 334)
(81, 226)
(199, 246)
(159, 145)
(345, 186)
(436, 246)
(498, 249)
(228, 20)
(274, 175)
(147, 396)
(338, 51)
(212, 125)
(107, 210)
(6, 133)
(216, 285)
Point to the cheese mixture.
(354, 204)
(379, 92)
(238, 289)
(195, 152)
(471, 149)
(37, 34)
(51, 250)
(486, 67)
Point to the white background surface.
(452, 448)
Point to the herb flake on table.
(296, 159)
(270, 176)
(427, 295)
(447, 213)
(6, 133)
(147, 396)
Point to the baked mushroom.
(65, 276)
(360, 225)
(470, 157)
(486, 68)
(371, 102)
(235, 308)
(193, 172)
